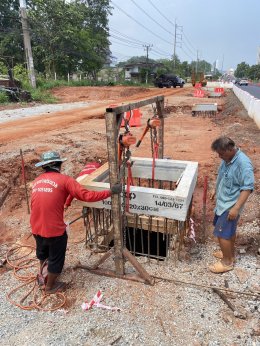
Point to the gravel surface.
(14, 114)
(163, 314)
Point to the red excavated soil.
(80, 135)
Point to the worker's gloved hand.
(115, 189)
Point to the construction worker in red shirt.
(49, 193)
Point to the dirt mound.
(75, 94)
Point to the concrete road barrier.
(251, 104)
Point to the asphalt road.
(252, 89)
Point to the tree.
(242, 70)
(11, 42)
(254, 72)
(201, 66)
(67, 36)
(136, 60)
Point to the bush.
(42, 95)
(50, 84)
(3, 97)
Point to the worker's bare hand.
(212, 194)
(233, 213)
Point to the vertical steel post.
(160, 112)
(112, 125)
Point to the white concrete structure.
(172, 204)
(251, 104)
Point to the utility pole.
(27, 43)
(197, 61)
(147, 48)
(176, 35)
(222, 64)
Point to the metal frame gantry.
(114, 117)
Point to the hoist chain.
(126, 157)
(127, 122)
(153, 135)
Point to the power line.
(188, 41)
(128, 37)
(135, 41)
(128, 15)
(140, 8)
(127, 45)
(173, 24)
(162, 52)
(187, 54)
(161, 13)
(188, 48)
(126, 41)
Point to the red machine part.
(151, 123)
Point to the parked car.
(243, 82)
(181, 82)
(168, 80)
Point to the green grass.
(3, 98)
(42, 95)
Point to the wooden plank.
(144, 274)
(134, 105)
(88, 178)
(160, 226)
(103, 259)
(112, 135)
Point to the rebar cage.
(158, 220)
(150, 236)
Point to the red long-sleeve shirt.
(49, 193)
(88, 169)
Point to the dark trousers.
(53, 249)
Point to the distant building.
(133, 71)
(111, 74)
(258, 56)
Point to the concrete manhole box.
(155, 201)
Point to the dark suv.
(168, 80)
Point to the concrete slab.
(172, 204)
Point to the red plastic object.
(135, 120)
(219, 90)
(199, 93)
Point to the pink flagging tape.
(95, 301)
(192, 230)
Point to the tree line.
(66, 36)
(73, 37)
(244, 70)
(183, 69)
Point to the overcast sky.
(224, 30)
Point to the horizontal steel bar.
(134, 105)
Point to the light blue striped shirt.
(233, 177)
